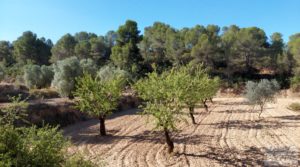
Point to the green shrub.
(294, 106)
(65, 72)
(2, 74)
(78, 161)
(47, 75)
(31, 146)
(259, 93)
(295, 83)
(89, 66)
(33, 76)
(38, 77)
(110, 72)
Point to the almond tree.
(162, 94)
(98, 97)
(198, 87)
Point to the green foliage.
(65, 72)
(32, 76)
(125, 54)
(162, 94)
(14, 111)
(97, 97)
(38, 77)
(31, 146)
(295, 83)
(64, 48)
(294, 106)
(261, 92)
(89, 66)
(78, 161)
(198, 87)
(154, 45)
(29, 49)
(2, 73)
(6, 57)
(47, 75)
(195, 84)
(109, 72)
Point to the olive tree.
(259, 93)
(162, 94)
(65, 72)
(36, 76)
(108, 72)
(89, 66)
(98, 97)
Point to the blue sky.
(54, 18)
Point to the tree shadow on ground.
(233, 103)
(289, 117)
(156, 137)
(251, 156)
(248, 124)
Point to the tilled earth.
(230, 134)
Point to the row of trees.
(229, 52)
(165, 96)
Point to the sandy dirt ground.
(230, 134)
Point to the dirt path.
(229, 135)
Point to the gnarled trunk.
(102, 125)
(191, 111)
(169, 142)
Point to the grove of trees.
(232, 53)
(169, 69)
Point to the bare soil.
(230, 134)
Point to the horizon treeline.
(233, 53)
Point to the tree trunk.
(247, 63)
(261, 110)
(204, 105)
(191, 109)
(211, 100)
(102, 126)
(169, 142)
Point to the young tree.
(162, 94)
(259, 93)
(98, 97)
(196, 85)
